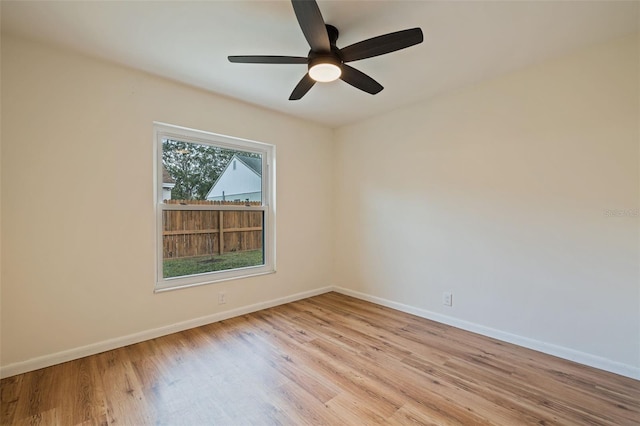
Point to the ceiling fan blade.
(268, 59)
(302, 88)
(382, 44)
(360, 80)
(312, 24)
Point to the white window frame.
(167, 131)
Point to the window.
(214, 207)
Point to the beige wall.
(499, 193)
(496, 192)
(77, 201)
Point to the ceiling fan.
(325, 61)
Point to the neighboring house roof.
(253, 163)
(166, 177)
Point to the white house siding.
(166, 191)
(237, 182)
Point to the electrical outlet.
(447, 298)
(222, 298)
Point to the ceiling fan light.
(325, 72)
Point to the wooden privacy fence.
(188, 233)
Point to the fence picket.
(188, 233)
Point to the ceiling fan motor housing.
(324, 58)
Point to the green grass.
(202, 264)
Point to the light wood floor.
(330, 359)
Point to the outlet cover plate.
(447, 298)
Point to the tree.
(194, 167)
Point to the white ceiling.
(465, 42)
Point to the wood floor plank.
(320, 388)
(329, 359)
(10, 391)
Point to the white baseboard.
(548, 348)
(118, 342)
(106, 345)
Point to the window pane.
(200, 241)
(193, 172)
